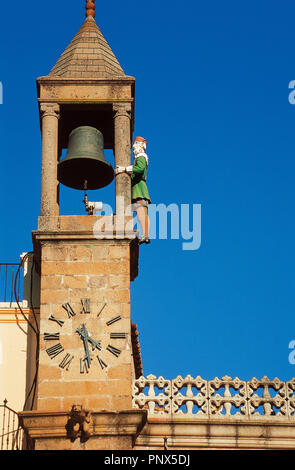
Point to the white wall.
(13, 345)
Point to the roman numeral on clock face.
(115, 351)
(65, 363)
(118, 335)
(85, 305)
(59, 322)
(51, 336)
(113, 320)
(69, 310)
(102, 364)
(101, 309)
(84, 366)
(54, 350)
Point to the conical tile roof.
(88, 56)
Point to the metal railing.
(11, 435)
(8, 273)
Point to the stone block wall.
(98, 270)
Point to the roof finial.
(90, 8)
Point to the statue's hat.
(140, 139)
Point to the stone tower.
(85, 364)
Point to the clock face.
(85, 338)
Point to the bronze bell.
(85, 161)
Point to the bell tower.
(85, 365)
(86, 87)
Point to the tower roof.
(88, 56)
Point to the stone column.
(49, 182)
(122, 117)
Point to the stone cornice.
(48, 80)
(216, 433)
(44, 424)
(71, 236)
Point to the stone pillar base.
(108, 430)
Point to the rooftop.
(88, 56)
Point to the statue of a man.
(140, 195)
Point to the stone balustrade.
(217, 398)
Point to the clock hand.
(86, 348)
(95, 344)
(84, 336)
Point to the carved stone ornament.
(224, 398)
(122, 109)
(79, 423)
(50, 109)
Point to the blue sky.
(212, 100)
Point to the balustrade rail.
(217, 398)
(11, 435)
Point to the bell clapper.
(85, 200)
(91, 207)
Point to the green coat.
(138, 180)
